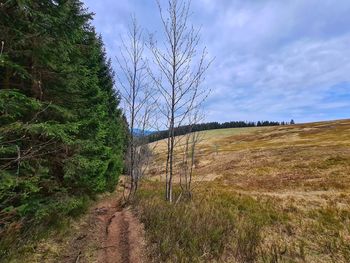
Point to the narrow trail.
(112, 234)
(122, 238)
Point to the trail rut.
(112, 234)
(122, 238)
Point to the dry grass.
(297, 175)
(309, 157)
(216, 225)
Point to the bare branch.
(180, 76)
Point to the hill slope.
(312, 156)
(276, 194)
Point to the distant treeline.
(213, 126)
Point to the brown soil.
(110, 234)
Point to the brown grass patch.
(300, 174)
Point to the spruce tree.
(62, 134)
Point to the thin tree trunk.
(180, 76)
(167, 170)
(136, 95)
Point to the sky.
(274, 60)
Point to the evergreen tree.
(62, 134)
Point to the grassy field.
(274, 194)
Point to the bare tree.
(138, 103)
(179, 75)
(189, 147)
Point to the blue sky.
(274, 60)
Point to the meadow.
(268, 194)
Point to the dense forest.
(185, 129)
(62, 133)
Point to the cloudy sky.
(274, 60)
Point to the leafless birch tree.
(138, 102)
(180, 72)
(189, 151)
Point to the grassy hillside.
(275, 194)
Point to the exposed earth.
(108, 233)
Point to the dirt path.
(120, 233)
(110, 234)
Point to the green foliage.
(62, 134)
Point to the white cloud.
(274, 59)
